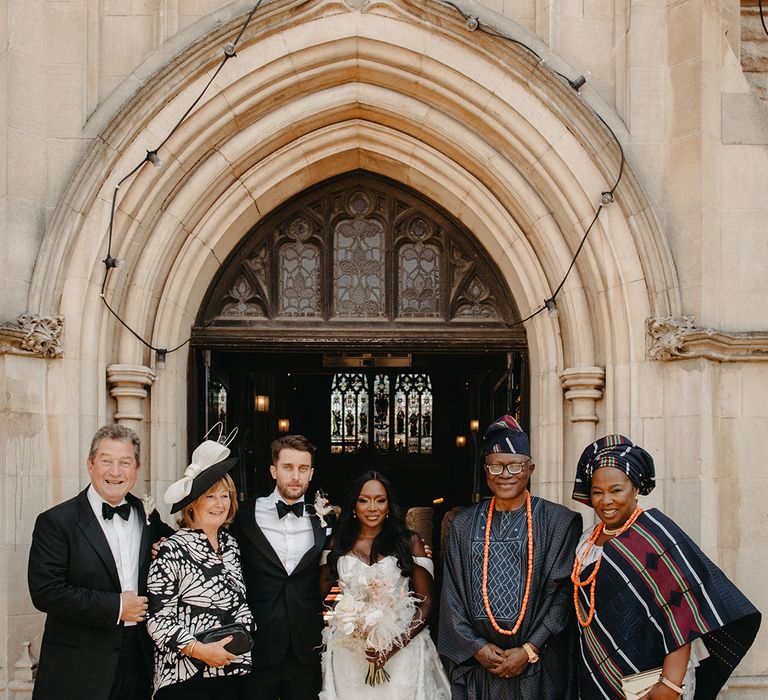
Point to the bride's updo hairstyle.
(394, 538)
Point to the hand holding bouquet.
(373, 616)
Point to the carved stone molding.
(675, 338)
(583, 387)
(128, 386)
(33, 335)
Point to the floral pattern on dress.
(191, 588)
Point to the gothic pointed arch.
(320, 89)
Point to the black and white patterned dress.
(191, 588)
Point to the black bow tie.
(296, 508)
(108, 511)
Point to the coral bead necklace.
(591, 579)
(486, 549)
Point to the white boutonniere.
(322, 507)
(149, 505)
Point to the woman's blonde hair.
(187, 516)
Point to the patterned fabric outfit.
(191, 588)
(656, 591)
(415, 670)
(464, 625)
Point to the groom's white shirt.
(290, 537)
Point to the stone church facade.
(661, 156)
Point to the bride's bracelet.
(679, 689)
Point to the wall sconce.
(261, 403)
(283, 425)
(461, 441)
(474, 425)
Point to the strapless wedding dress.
(415, 670)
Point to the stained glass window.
(349, 413)
(358, 262)
(299, 272)
(419, 272)
(413, 414)
(217, 402)
(401, 419)
(381, 419)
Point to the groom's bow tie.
(108, 511)
(296, 508)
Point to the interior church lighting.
(283, 425)
(461, 441)
(474, 425)
(261, 403)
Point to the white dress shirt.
(290, 537)
(124, 539)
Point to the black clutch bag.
(241, 640)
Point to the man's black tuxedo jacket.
(285, 608)
(73, 578)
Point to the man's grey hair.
(115, 432)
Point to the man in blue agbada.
(506, 622)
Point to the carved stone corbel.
(672, 338)
(33, 335)
(667, 336)
(128, 386)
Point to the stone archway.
(320, 89)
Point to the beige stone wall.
(87, 86)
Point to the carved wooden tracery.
(359, 249)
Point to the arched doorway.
(363, 315)
(472, 122)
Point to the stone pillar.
(20, 688)
(583, 387)
(128, 386)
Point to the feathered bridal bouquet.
(372, 615)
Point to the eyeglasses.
(511, 467)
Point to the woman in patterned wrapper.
(196, 584)
(654, 612)
(371, 550)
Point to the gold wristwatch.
(533, 657)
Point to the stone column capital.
(583, 387)
(128, 386)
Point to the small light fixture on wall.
(261, 403)
(461, 441)
(474, 425)
(283, 425)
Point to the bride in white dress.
(374, 558)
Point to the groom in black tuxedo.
(281, 540)
(88, 567)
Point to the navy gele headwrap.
(507, 437)
(614, 451)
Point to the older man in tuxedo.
(88, 567)
(281, 539)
